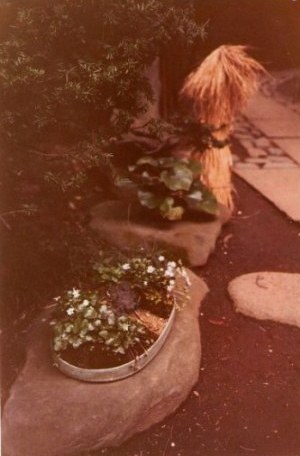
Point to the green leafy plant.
(87, 317)
(105, 314)
(171, 186)
(72, 78)
(76, 70)
(150, 276)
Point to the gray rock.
(268, 296)
(49, 414)
(194, 239)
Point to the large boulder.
(49, 414)
(122, 225)
(268, 296)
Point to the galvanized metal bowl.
(113, 374)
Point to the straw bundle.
(218, 89)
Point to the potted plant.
(111, 331)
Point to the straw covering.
(218, 89)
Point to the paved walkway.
(269, 131)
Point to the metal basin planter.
(113, 374)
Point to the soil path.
(247, 400)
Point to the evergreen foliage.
(74, 70)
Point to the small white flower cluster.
(155, 271)
(85, 317)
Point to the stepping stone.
(245, 165)
(264, 107)
(194, 239)
(275, 151)
(280, 128)
(256, 152)
(291, 147)
(246, 143)
(242, 134)
(257, 161)
(288, 164)
(272, 118)
(280, 183)
(280, 159)
(49, 414)
(262, 142)
(268, 296)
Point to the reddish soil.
(247, 400)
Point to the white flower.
(57, 298)
(75, 293)
(169, 273)
(70, 310)
(97, 322)
(171, 265)
(103, 308)
(171, 285)
(125, 326)
(150, 269)
(126, 266)
(161, 258)
(76, 343)
(145, 283)
(111, 320)
(89, 312)
(84, 304)
(197, 195)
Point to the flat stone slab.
(261, 106)
(280, 185)
(291, 147)
(49, 414)
(287, 127)
(268, 296)
(193, 239)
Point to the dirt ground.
(247, 400)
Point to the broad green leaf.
(169, 211)
(179, 178)
(167, 162)
(147, 161)
(202, 200)
(148, 199)
(123, 181)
